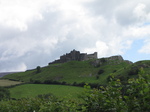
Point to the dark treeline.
(54, 82)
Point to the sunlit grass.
(32, 90)
(8, 82)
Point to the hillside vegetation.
(132, 70)
(91, 71)
(115, 97)
(81, 72)
(119, 86)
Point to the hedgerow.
(134, 96)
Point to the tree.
(38, 69)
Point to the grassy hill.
(73, 72)
(133, 70)
(90, 71)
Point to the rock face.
(118, 57)
(75, 55)
(113, 59)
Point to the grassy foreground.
(32, 90)
(116, 97)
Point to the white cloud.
(137, 32)
(20, 67)
(139, 10)
(113, 47)
(34, 32)
(18, 13)
(12, 66)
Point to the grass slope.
(8, 83)
(70, 72)
(32, 90)
(132, 70)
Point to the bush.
(116, 97)
(100, 71)
(97, 77)
(37, 82)
(74, 84)
(4, 93)
(114, 71)
(134, 71)
(42, 103)
(38, 69)
(103, 60)
(48, 82)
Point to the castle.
(75, 55)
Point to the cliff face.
(75, 55)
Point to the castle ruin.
(75, 55)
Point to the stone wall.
(75, 55)
(91, 56)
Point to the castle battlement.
(75, 55)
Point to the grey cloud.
(125, 16)
(101, 27)
(28, 46)
(103, 7)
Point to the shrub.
(4, 93)
(38, 69)
(48, 82)
(103, 60)
(64, 83)
(74, 84)
(37, 82)
(116, 97)
(81, 84)
(100, 71)
(114, 71)
(134, 71)
(42, 103)
(97, 77)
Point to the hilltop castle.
(75, 55)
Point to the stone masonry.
(75, 55)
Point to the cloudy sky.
(36, 32)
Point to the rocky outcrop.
(129, 62)
(118, 58)
(75, 55)
(110, 60)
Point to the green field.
(8, 83)
(70, 72)
(32, 90)
(73, 72)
